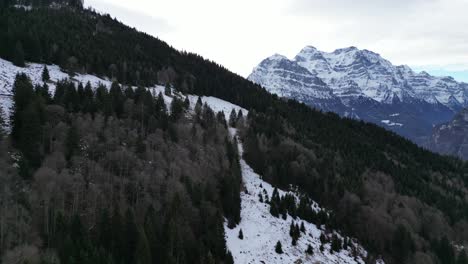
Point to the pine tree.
(278, 248)
(2, 123)
(309, 250)
(31, 135)
(177, 108)
(168, 90)
(45, 74)
(274, 209)
(187, 103)
(336, 244)
(23, 94)
(160, 105)
(241, 235)
(18, 58)
(233, 118)
(303, 230)
(229, 259)
(198, 107)
(291, 229)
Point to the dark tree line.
(123, 147)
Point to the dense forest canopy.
(402, 201)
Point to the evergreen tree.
(336, 244)
(278, 248)
(45, 74)
(2, 123)
(309, 250)
(233, 118)
(291, 229)
(229, 259)
(168, 90)
(23, 94)
(160, 105)
(241, 235)
(274, 209)
(198, 107)
(117, 99)
(18, 58)
(177, 108)
(303, 230)
(31, 135)
(187, 103)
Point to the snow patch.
(261, 230)
(390, 123)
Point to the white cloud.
(239, 34)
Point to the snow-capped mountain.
(451, 138)
(361, 84)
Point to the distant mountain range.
(361, 84)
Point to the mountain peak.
(345, 50)
(308, 49)
(277, 56)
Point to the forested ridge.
(403, 202)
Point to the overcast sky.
(425, 34)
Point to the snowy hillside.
(261, 231)
(8, 72)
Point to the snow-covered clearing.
(261, 231)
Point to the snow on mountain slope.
(261, 231)
(278, 73)
(361, 84)
(377, 78)
(8, 72)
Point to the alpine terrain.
(361, 84)
(117, 148)
(451, 138)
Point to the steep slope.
(361, 84)
(400, 201)
(452, 138)
(261, 231)
(256, 218)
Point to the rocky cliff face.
(361, 84)
(451, 138)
